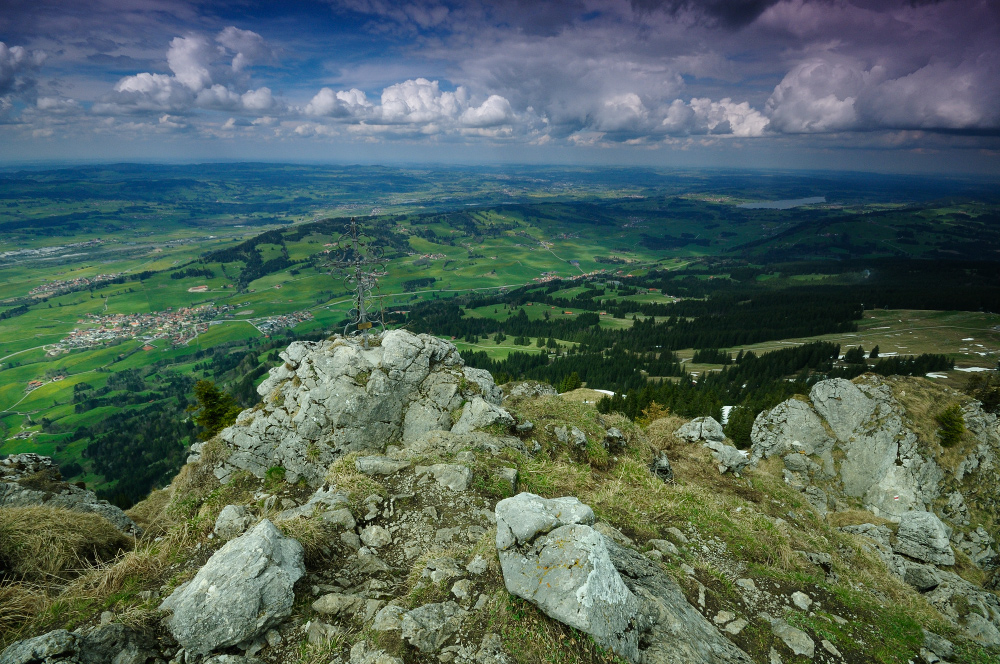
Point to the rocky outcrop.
(243, 589)
(337, 396)
(551, 556)
(29, 479)
(701, 429)
(879, 460)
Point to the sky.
(879, 85)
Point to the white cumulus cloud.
(206, 73)
(414, 106)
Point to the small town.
(60, 286)
(272, 324)
(178, 326)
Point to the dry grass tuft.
(856, 517)
(39, 542)
(20, 602)
(358, 486)
(148, 513)
(311, 534)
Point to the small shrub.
(274, 478)
(952, 425)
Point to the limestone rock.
(842, 405)
(30, 479)
(375, 536)
(244, 589)
(797, 640)
(452, 476)
(506, 478)
(389, 618)
(922, 535)
(729, 458)
(479, 414)
(551, 556)
(938, 645)
(362, 653)
(232, 521)
(528, 389)
(319, 633)
(672, 631)
(336, 604)
(429, 627)
(379, 465)
(922, 577)
(701, 429)
(113, 643)
(791, 426)
(336, 396)
(327, 504)
(56, 646)
(521, 518)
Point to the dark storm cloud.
(729, 13)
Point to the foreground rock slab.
(244, 589)
(551, 556)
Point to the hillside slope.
(388, 504)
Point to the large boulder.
(709, 433)
(479, 414)
(30, 479)
(337, 396)
(922, 535)
(244, 589)
(551, 556)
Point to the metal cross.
(363, 263)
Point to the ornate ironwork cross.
(361, 261)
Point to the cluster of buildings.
(60, 286)
(274, 323)
(178, 326)
(35, 384)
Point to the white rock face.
(789, 427)
(334, 397)
(842, 405)
(881, 462)
(243, 589)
